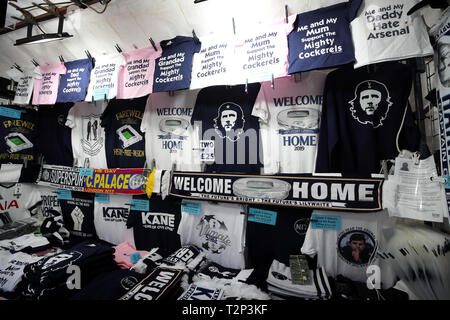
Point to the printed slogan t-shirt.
(104, 77)
(74, 83)
(136, 78)
(382, 31)
(173, 68)
(321, 38)
(46, 88)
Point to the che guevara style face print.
(229, 122)
(371, 103)
(443, 55)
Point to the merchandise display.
(246, 152)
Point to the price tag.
(135, 257)
(320, 221)
(207, 154)
(140, 205)
(191, 207)
(102, 197)
(299, 269)
(100, 94)
(10, 113)
(262, 216)
(86, 172)
(64, 194)
(447, 184)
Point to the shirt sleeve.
(70, 120)
(328, 136)
(260, 108)
(105, 118)
(61, 68)
(146, 118)
(353, 9)
(310, 243)
(132, 219)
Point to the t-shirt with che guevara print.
(225, 116)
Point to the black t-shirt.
(125, 143)
(225, 116)
(78, 216)
(157, 227)
(361, 115)
(109, 286)
(55, 136)
(19, 136)
(267, 242)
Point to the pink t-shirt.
(46, 89)
(127, 256)
(136, 78)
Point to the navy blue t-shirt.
(56, 144)
(361, 115)
(19, 136)
(173, 68)
(78, 216)
(321, 38)
(225, 115)
(124, 141)
(73, 85)
(157, 227)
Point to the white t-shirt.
(219, 230)
(105, 77)
(110, 219)
(382, 31)
(25, 86)
(16, 201)
(169, 136)
(349, 250)
(11, 273)
(289, 122)
(88, 136)
(214, 64)
(263, 52)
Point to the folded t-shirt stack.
(46, 279)
(127, 256)
(28, 243)
(11, 272)
(279, 284)
(18, 228)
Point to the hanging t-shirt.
(78, 215)
(224, 114)
(56, 146)
(25, 86)
(124, 141)
(49, 198)
(20, 136)
(289, 229)
(169, 137)
(350, 249)
(214, 64)
(136, 78)
(361, 116)
(321, 38)
(18, 201)
(110, 218)
(262, 53)
(218, 229)
(88, 136)
(46, 88)
(73, 85)
(104, 77)
(173, 68)
(290, 122)
(382, 31)
(156, 227)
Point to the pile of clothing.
(48, 278)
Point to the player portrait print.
(213, 234)
(92, 140)
(443, 57)
(356, 246)
(371, 103)
(229, 122)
